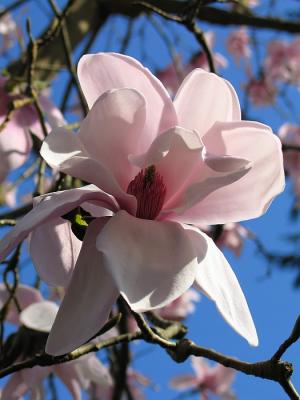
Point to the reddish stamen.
(149, 189)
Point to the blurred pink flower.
(8, 32)
(232, 237)
(135, 383)
(207, 380)
(173, 75)
(237, 44)
(290, 135)
(261, 91)
(180, 307)
(157, 167)
(282, 61)
(15, 138)
(38, 315)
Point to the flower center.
(149, 189)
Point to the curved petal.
(88, 299)
(63, 149)
(204, 98)
(152, 262)
(15, 144)
(61, 145)
(91, 370)
(184, 382)
(35, 376)
(189, 172)
(39, 316)
(51, 206)
(25, 296)
(54, 251)
(98, 73)
(216, 279)
(113, 129)
(15, 387)
(67, 372)
(251, 195)
(201, 368)
(223, 378)
(175, 154)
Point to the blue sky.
(273, 301)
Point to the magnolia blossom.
(38, 315)
(238, 44)
(261, 91)
(290, 135)
(177, 310)
(8, 31)
(15, 137)
(233, 236)
(181, 307)
(157, 169)
(207, 380)
(282, 61)
(173, 74)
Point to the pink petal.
(39, 316)
(54, 251)
(250, 196)
(25, 295)
(15, 144)
(152, 262)
(189, 172)
(184, 382)
(216, 100)
(68, 374)
(15, 387)
(201, 368)
(61, 145)
(209, 175)
(223, 377)
(98, 73)
(34, 376)
(89, 298)
(51, 206)
(216, 279)
(114, 126)
(63, 150)
(175, 154)
(91, 370)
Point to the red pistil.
(149, 189)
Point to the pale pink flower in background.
(135, 383)
(276, 59)
(207, 380)
(15, 138)
(293, 65)
(177, 310)
(158, 167)
(233, 236)
(181, 307)
(290, 135)
(282, 61)
(38, 315)
(261, 91)
(237, 44)
(8, 32)
(173, 75)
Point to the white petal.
(39, 316)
